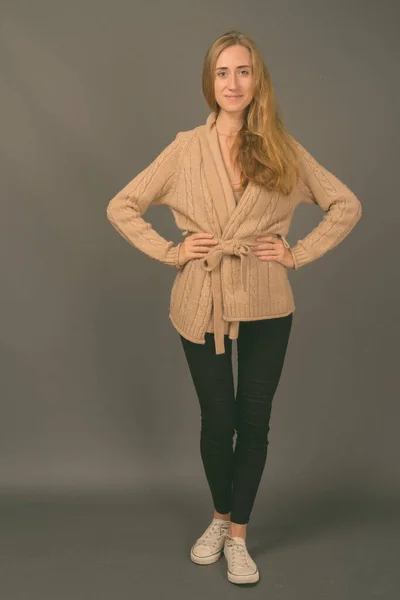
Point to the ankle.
(224, 516)
(237, 530)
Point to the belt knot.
(233, 247)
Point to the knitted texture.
(189, 176)
(228, 326)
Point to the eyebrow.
(238, 67)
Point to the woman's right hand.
(196, 245)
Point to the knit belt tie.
(234, 246)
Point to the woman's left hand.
(272, 248)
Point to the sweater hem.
(268, 316)
(184, 334)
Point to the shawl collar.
(222, 196)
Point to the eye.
(224, 72)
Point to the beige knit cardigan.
(189, 176)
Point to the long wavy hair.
(263, 150)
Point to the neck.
(229, 123)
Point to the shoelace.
(239, 554)
(210, 531)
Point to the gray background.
(102, 487)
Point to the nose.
(232, 83)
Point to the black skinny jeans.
(234, 474)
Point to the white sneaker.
(241, 567)
(208, 548)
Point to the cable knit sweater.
(230, 284)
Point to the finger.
(267, 238)
(268, 257)
(265, 246)
(201, 235)
(266, 253)
(205, 241)
(197, 249)
(198, 255)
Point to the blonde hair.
(263, 149)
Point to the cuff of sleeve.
(300, 255)
(176, 256)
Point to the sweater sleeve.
(150, 187)
(342, 209)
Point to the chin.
(232, 109)
(233, 106)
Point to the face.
(234, 79)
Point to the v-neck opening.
(223, 159)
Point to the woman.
(233, 184)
